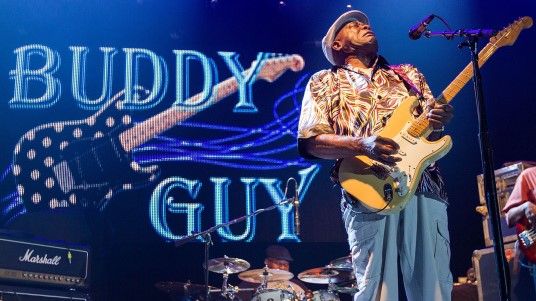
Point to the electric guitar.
(86, 162)
(386, 189)
(526, 236)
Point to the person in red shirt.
(522, 204)
(522, 200)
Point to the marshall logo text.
(39, 259)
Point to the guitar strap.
(412, 88)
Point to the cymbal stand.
(331, 286)
(264, 282)
(228, 291)
(208, 243)
(486, 153)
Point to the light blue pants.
(418, 235)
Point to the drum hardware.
(336, 275)
(264, 283)
(208, 241)
(342, 263)
(325, 295)
(228, 291)
(350, 288)
(324, 275)
(270, 294)
(265, 275)
(274, 284)
(226, 266)
(187, 290)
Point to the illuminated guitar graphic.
(388, 192)
(526, 235)
(86, 162)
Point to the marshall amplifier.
(32, 261)
(15, 293)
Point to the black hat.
(278, 252)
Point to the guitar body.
(359, 175)
(527, 238)
(77, 163)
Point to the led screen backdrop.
(185, 134)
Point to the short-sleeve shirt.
(524, 189)
(346, 101)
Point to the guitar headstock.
(509, 34)
(273, 68)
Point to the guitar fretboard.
(144, 131)
(421, 124)
(269, 71)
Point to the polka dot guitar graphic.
(86, 162)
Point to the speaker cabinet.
(485, 265)
(19, 293)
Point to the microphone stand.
(486, 154)
(208, 241)
(470, 33)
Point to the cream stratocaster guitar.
(387, 189)
(85, 162)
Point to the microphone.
(416, 31)
(296, 204)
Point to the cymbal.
(257, 275)
(324, 275)
(350, 288)
(286, 285)
(227, 265)
(343, 263)
(181, 288)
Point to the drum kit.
(271, 284)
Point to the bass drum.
(325, 295)
(273, 295)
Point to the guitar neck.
(467, 73)
(421, 124)
(144, 131)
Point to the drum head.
(325, 295)
(272, 294)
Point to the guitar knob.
(483, 210)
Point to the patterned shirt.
(346, 101)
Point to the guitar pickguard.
(389, 194)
